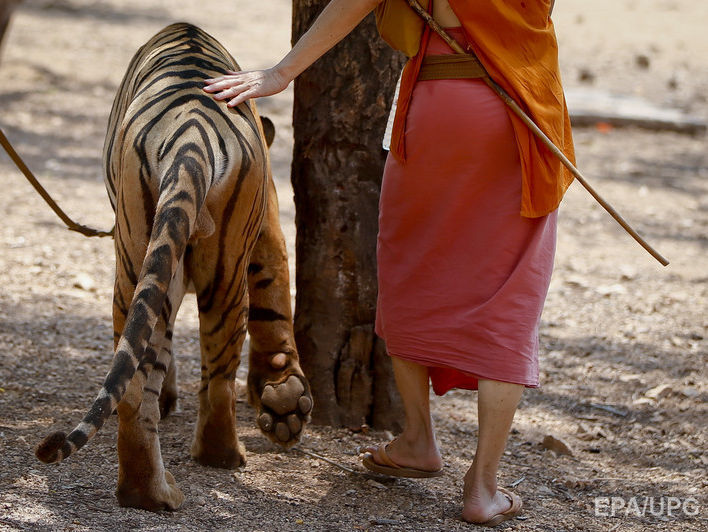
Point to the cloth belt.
(457, 66)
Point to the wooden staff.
(518, 111)
(71, 224)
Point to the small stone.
(627, 273)
(84, 282)
(586, 75)
(676, 341)
(642, 61)
(659, 392)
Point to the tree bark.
(340, 111)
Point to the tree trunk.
(340, 111)
(6, 9)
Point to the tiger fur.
(190, 183)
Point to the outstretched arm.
(336, 21)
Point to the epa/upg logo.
(643, 506)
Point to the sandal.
(385, 466)
(513, 511)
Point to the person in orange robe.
(467, 225)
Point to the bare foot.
(482, 508)
(415, 454)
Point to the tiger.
(195, 208)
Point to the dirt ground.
(623, 339)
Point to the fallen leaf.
(557, 446)
(375, 484)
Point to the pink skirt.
(462, 276)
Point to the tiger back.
(190, 182)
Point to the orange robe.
(516, 43)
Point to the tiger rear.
(190, 182)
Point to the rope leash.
(71, 224)
(509, 101)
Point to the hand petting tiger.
(190, 182)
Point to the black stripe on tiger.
(264, 314)
(264, 283)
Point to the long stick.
(71, 224)
(509, 101)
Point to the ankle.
(414, 433)
(480, 483)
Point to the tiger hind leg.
(277, 386)
(223, 305)
(143, 481)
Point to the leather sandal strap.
(384, 459)
(516, 502)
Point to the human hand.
(237, 87)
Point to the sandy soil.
(624, 340)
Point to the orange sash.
(516, 43)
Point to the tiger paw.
(155, 496)
(284, 408)
(215, 452)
